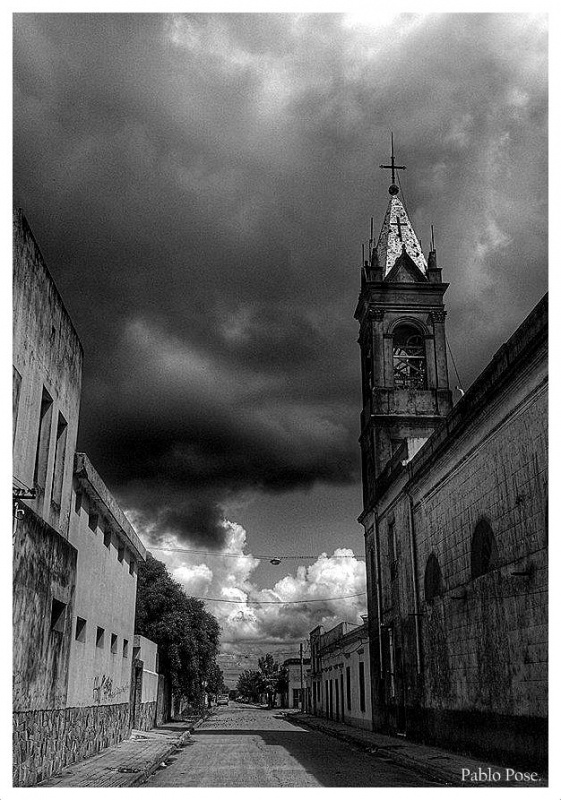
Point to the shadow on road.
(332, 763)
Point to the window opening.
(361, 685)
(100, 637)
(125, 648)
(391, 648)
(114, 643)
(409, 360)
(80, 629)
(58, 471)
(58, 615)
(392, 553)
(483, 549)
(348, 675)
(107, 538)
(433, 579)
(16, 389)
(92, 521)
(42, 452)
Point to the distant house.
(340, 675)
(74, 551)
(292, 698)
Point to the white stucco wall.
(147, 652)
(346, 653)
(105, 597)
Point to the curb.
(143, 775)
(177, 744)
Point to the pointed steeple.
(397, 236)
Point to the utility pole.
(301, 677)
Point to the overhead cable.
(277, 602)
(239, 555)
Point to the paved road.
(243, 745)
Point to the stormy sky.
(200, 186)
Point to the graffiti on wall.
(103, 689)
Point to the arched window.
(409, 360)
(433, 579)
(483, 549)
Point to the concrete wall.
(44, 572)
(47, 356)
(100, 671)
(163, 703)
(147, 653)
(148, 690)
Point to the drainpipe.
(412, 539)
(378, 592)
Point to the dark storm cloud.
(200, 186)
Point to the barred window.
(433, 579)
(409, 359)
(483, 549)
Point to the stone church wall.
(472, 672)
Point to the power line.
(238, 555)
(277, 602)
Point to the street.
(242, 745)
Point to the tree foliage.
(269, 679)
(186, 634)
(251, 684)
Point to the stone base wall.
(145, 716)
(44, 742)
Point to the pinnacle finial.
(394, 188)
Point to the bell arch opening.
(409, 358)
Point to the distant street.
(243, 745)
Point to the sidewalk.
(444, 766)
(130, 762)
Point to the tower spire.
(397, 237)
(394, 189)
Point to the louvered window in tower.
(409, 360)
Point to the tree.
(269, 670)
(186, 634)
(275, 678)
(251, 684)
(282, 684)
(215, 680)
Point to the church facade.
(454, 514)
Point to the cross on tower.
(392, 166)
(399, 224)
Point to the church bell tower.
(405, 391)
